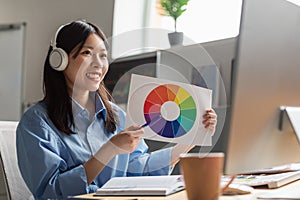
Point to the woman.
(74, 140)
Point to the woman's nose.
(97, 61)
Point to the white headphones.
(58, 58)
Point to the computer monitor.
(266, 76)
(118, 76)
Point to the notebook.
(142, 186)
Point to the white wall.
(42, 18)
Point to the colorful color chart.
(155, 115)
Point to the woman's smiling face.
(86, 71)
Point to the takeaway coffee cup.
(202, 175)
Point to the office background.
(269, 37)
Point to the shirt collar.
(99, 106)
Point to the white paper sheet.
(284, 194)
(172, 111)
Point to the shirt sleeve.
(43, 161)
(142, 163)
(147, 164)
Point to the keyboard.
(271, 181)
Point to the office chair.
(16, 188)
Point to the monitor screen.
(118, 76)
(266, 76)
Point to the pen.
(152, 121)
(146, 124)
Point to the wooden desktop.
(287, 189)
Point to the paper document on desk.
(142, 185)
(280, 195)
(271, 181)
(169, 111)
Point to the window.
(139, 22)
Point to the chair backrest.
(15, 185)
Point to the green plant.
(173, 8)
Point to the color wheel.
(170, 110)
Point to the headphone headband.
(53, 43)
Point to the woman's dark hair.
(57, 99)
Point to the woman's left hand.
(210, 120)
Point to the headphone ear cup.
(58, 59)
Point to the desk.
(292, 187)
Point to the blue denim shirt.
(51, 162)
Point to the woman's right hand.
(122, 143)
(127, 140)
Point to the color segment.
(164, 127)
